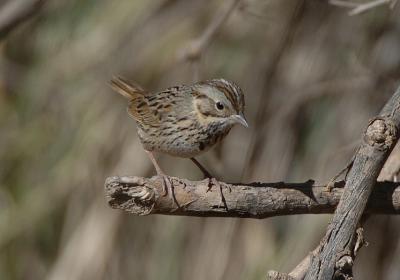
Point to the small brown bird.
(184, 120)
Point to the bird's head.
(219, 101)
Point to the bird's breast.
(188, 139)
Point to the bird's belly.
(181, 144)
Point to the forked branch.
(335, 255)
(339, 246)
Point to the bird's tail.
(125, 88)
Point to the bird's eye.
(219, 105)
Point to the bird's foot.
(168, 188)
(166, 184)
(214, 182)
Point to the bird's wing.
(145, 114)
(139, 106)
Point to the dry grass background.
(312, 77)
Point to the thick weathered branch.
(337, 253)
(143, 196)
(15, 12)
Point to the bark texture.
(144, 196)
(336, 255)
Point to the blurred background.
(312, 75)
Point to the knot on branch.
(130, 194)
(344, 263)
(344, 267)
(381, 133)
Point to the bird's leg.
(202, 168)
(167, 185)
(212, 181)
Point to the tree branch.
(337, 253)
(334, 257)
(143, 196)
(14, 12)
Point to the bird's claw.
(168, 188)
(214, 182)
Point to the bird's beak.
(240, 119)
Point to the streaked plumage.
(183, 120)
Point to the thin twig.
(359, 8)
(368, 6)
(343, 3)
(194, 50)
